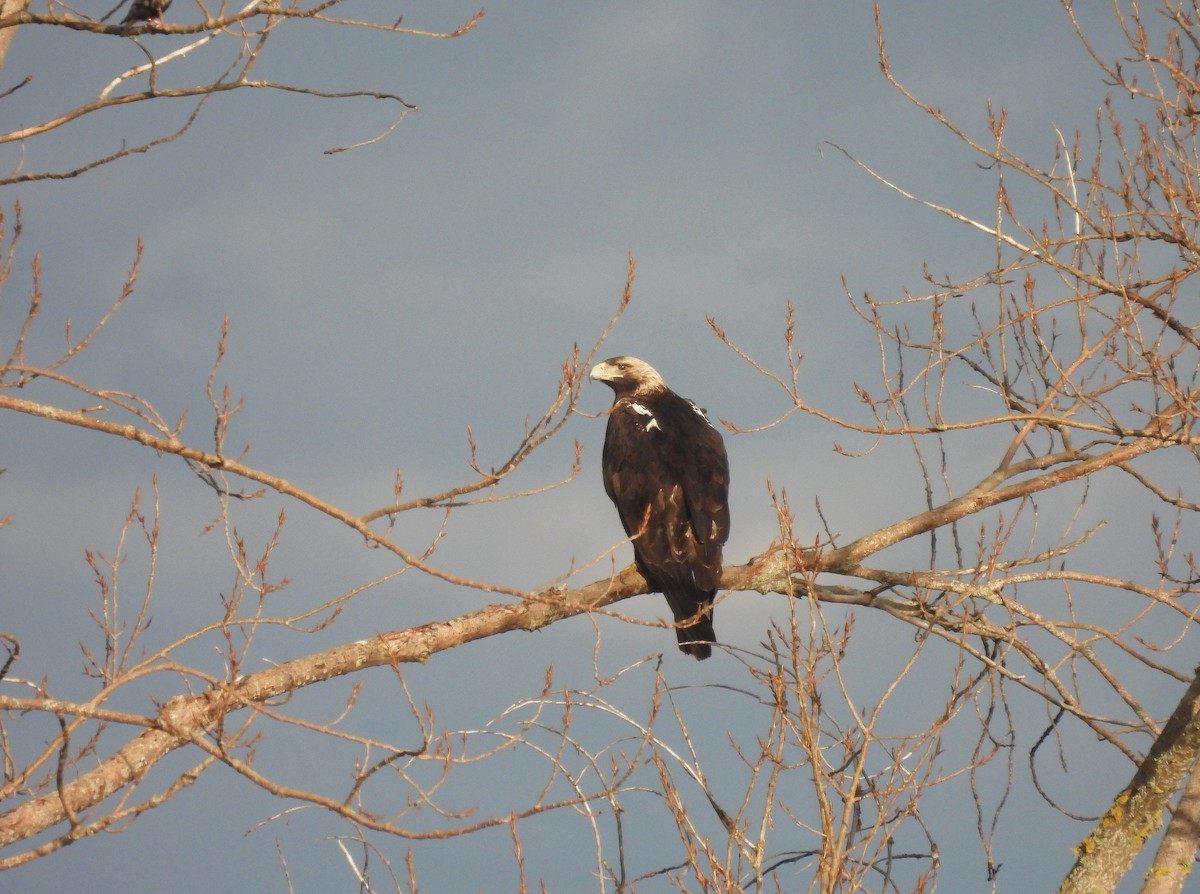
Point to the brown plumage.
(666, 471)
(148, 11)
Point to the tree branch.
(1136, 814)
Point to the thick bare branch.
(1136, 814)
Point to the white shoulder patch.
(641, 410)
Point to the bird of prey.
(148, 11)
(666, 471)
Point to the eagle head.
(628, 376)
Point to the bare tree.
(232, 42)
(1066, 371)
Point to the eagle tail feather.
(695, 633)
(695, 639)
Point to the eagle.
(148, 11)
(666, 471)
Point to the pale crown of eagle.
(666, 471)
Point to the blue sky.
(382, 300)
